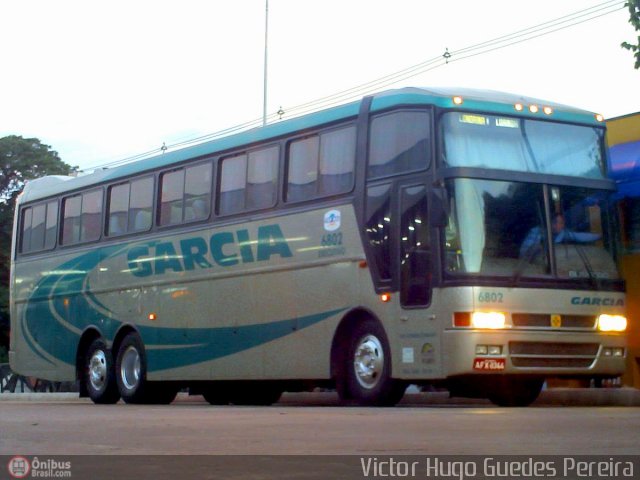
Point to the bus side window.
(399, 143)
(117, 208)
(303, 169)
(262, 178)
(197, 192)
(51, 227)
(140, 205)
(38, 227)
(337, 160)
(233, 181)
(91, 215)
(71, 220)
(171, 197)
(25, 243)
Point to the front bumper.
(575, 354)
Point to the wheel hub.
(98, 370)
(130, 368)
(368, 361)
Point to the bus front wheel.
(99, 374)
(131, 375)
(366, 368)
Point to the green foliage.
(21, 159)
(634, 19)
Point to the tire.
(515, 391)
(99, 378)
(365, 374)
(131, 375)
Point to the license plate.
(489, 364)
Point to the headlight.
(612, 323)
(491, 320)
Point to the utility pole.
(266, 37)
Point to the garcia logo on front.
(21, 467)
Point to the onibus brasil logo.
(21, 467)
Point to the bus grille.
(553, 355)
(537, 320)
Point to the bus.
(444, 238)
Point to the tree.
(21, 159)
(634, 19)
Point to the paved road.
(313, 424)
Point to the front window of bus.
(501, 228)
(523, 145)
(515, 229)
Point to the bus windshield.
(523, 145)
(500, 228)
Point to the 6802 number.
(490, 297)
(331, 239)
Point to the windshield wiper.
(526, 260)
(593, 278)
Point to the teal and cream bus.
(462, 239)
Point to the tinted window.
(262, 178)
(522, 145)
(130, 207)
(197, 192)
(185, 195)
(321, 165)
(414, 247)
(303, 169)
(378, 227)
(37, 228)
(399, 143)
(82, 217)
(91, 216)
(232, 184)
(27, 216)
(172, 193)
(118, 209)
(140, 205)
(50, 233)
(71, 220)
(337, 161)
(249, 181)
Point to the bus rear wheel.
(131, 375)
(515, 391)
(99, 374)
(366, 368)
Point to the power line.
(520, 36)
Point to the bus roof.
(480, 100)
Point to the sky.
(103, 81)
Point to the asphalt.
(594, 397)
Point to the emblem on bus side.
(332, 220)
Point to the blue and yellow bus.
(419, 236)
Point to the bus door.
(398, 237)
(417, 331)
